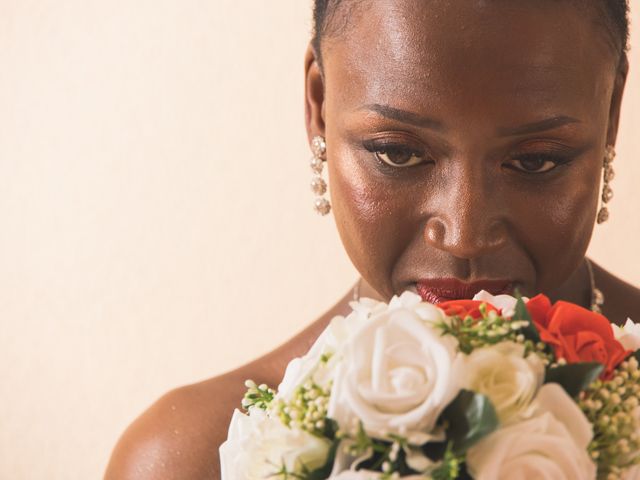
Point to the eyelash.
(378, 149)
(557, 160)
(396, 148)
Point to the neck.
(368, 291)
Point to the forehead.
(422, 51)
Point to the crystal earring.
(607, 191)
(318, 185)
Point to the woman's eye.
(398, 156)
(535, 163)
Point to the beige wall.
(156, 220)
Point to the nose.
(468, 221)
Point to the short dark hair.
(325, 21)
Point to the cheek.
(367, 215)
(556, 228)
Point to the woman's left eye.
(536, 163)
(397, 156)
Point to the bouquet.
(490, 388)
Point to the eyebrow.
(404, 116)
(540, 126)
(414, 119)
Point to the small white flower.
(502, 373)
(417, 460)
(258, 445)
(398, 373)
(628, 335)
(633, 473)
(506, 303)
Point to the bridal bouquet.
(489, 388)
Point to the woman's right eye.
(397, 156)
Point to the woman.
(466, 143)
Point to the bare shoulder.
(621, 299)
(179, 435)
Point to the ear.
(313, 95)
(616, 99)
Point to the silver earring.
(607, 192)
(318, 185)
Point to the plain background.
(156, 220)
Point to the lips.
(443, 289)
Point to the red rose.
(464, 308)
(577, 334)
(538, 308)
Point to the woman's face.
(465, 140)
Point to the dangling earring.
(318, 185)
(607, 192)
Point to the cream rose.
(398, 372)
(553, 399)
(552, 444)
(258, 444)
(628, 335)
(502, 373)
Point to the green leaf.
(530, 332)
(330, 428)
(636, 355)
(574, 377)
(451, 466)
(470, 417)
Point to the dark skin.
(490, 191)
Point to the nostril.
(435, 232)
(465, 239)
(496, 235)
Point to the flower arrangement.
(490, 388)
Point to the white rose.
(357, 475)
(398, 373)
(503, 374)
(537, 448)
(628, 335)
(553, 399)
(364, 307)
(257, 445)
(552, 444)
(329, 343)
(232, 452)
(413, 302)
(506, 303)
(299, 370)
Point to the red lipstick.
(439, 290)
